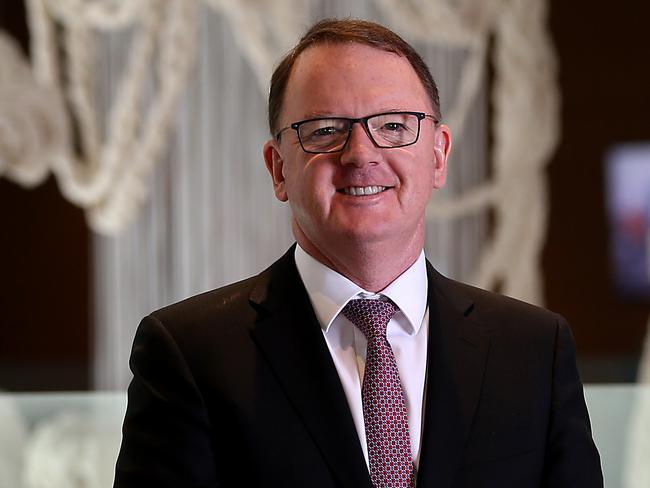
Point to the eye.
(391, 123)
(324, 131)
(393, 127)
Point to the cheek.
(426, 166)
(422, 184)
(310, 188)
(415, 170)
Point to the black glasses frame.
(364, 123)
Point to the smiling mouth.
(360, 191)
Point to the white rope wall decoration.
(177, 38)
(263, 30)
(452, 28)
(109, 177)
(526, 130)
(100, 15)
(32, 120)
(526, 127)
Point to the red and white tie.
(384, 409)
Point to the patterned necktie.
(384, 409)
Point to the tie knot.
(370, 316)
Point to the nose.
(359, 150)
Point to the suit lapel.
(290, 338)
(457, 352)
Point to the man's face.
(355, 80)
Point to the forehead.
(351, 79)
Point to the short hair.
(347, 31)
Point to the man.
(351, 362)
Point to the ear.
(441, 148)
(275, 164)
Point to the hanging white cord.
(33, 121)
(109, 177)
(177, 47)
(101, 15)
(80, 181)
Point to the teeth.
(363, 190)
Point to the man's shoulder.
(229, 306)
(222, 319)
(493, 309)
(226, 300)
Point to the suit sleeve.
(166, 434)
(571, 459)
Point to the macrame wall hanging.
(107, 170)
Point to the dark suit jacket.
(236, 388)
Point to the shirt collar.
(330, 291)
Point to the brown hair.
(341, 31)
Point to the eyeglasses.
(331, 134)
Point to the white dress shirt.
(407, 334)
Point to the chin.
(368, 234)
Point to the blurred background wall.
(48, 276)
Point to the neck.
(371, 265)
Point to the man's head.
(370, 190)
(347, 31)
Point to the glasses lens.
(394, 129)
(324, 135)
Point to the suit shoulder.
(493, 308)
(226, 304)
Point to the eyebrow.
(315, 114)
